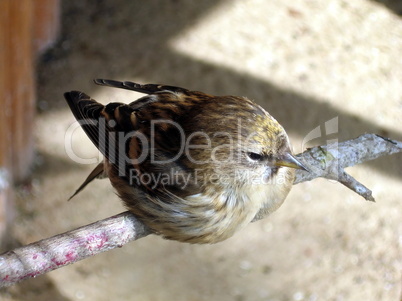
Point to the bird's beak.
(288, 160)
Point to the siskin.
(191, 166)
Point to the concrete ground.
(307, 62)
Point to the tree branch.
(63, 249)
(52, 253)
(330, 161)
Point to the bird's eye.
(255, 156)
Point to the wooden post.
(47, 15)
(26, 27)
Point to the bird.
(191, 166)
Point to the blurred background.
(307, 62)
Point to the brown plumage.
(191, 166)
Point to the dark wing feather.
(98, 172)
(147, 88)
(104, 125)
(87, 112)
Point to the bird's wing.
(107, 126)
(116, 130)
